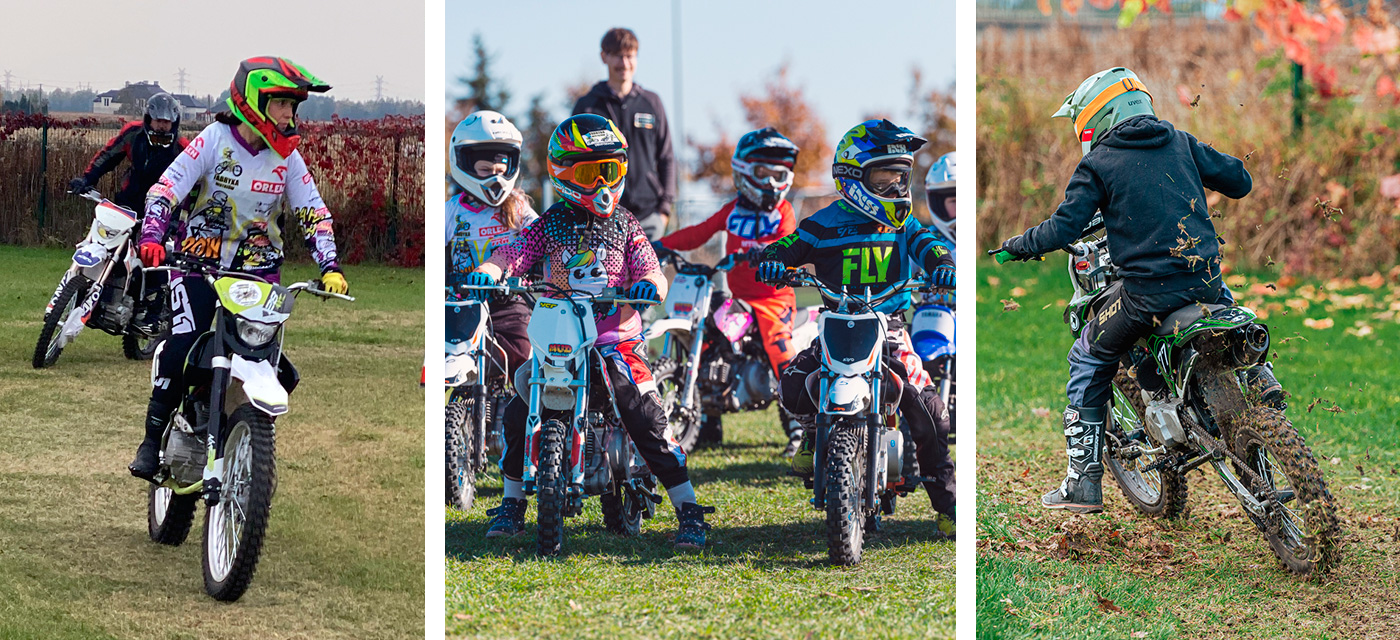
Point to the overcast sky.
(852, 58)
(64, 43)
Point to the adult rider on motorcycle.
(758, 214)
(1148, 179)
(244, 166)
(488, 214)
(868, 240)
(587, 241)
(149, 145)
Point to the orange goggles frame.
(589, 173)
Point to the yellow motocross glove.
(334, 282)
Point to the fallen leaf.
(1373, 281)
(1323, 323)
(993, 280)
(1107, 606)
(1139, 634)
(862, 588)
(460, 616)
(574, 605)
(1041, 412)
(1018, 292)
(1010, 305)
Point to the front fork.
(218, 388)
(533, 424)
(874, 453)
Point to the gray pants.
(654, 226)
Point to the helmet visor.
(160, 139)
(588, 174)
(472, 159)
(888, 180)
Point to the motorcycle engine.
(757, 386)
(597, 469)
(184, 453)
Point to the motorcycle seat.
(1181, 318)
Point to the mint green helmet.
(1104, 100)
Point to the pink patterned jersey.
(585, 253)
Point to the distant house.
(113, 101)
(192, 108)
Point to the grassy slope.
(344, 553)
(765, 574)
(1212, 575)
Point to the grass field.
(1045, 574)
(344, 552)
(764, 575)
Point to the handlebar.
(794, 277)
(609, 295)
(694, 268)
(184, 263)
(91, 194)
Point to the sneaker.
(509, 518)
(690, 534)
(947, 526)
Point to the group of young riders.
(219, 199)
(865, 240)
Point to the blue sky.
(850, 60)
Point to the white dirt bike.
(477, 391)
(226, 455)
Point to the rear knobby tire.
(461, 466)
(169, 516)
(250, 476)
(1161, 493)
(552, 489)
(845, 521)
(46, 352)
(137, 346)
(620, 513)
(1269, 443)
(670, 381)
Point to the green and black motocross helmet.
(258, 81)
(870, 145)
(1104, 100)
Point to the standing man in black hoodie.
(1149, 180)
(651, 183)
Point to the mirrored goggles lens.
(590, 173)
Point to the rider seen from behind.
(1148, 179)
(758, 215)
(587, 241)
(245, 168)
(867, 240)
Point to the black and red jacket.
(147, 163)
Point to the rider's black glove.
(78, 185)
(1015, 246)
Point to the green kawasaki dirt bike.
(1205, 415)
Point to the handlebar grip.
(1003, 256)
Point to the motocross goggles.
(588, 174)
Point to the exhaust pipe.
(1252, 346)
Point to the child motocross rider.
(1148, 179)
(759, 214)
(587, 241)
(487, 215)
(867, 239)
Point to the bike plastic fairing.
(256, 382)
(256, 301)
(661, 327)
(851, 344)
(846, 395)
(732, 321)
(561, 331)
(933, 331)
(688, 295)
(111, 225)
(466, 331)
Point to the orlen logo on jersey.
(262, 186)
(490, 231)
(281, 173)
(192, 150)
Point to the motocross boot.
(147, 319)
(947, 526)
(1261, 383)
(690, 533)
(1081, 491)
(147, 462)
(509, 518)
(793, 429)
(804, 459)
(711, 430)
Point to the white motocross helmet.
(482, 136)
(941, 182)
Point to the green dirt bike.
(1205, 414)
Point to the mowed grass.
(764, 575)
(343, 557)
(1045, 574)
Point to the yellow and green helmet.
(261, 79)
(871, 145)
(1104, 100)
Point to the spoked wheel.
(845, 475)
(461, 468)
(234, 528)
(552, 489)
(50, 344)
(140, 346)
(168, 516)
(622, 513)
(1303, 528)
(684, 424)
(1158, 492)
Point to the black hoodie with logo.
(651, 165)
(1149, 179)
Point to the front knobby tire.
(670, 382)
(169, 516)
(47, 349)
(1161, 493)
(235, 527)
(845, 475)
(461, 466)
(1304, 532)
(552, 489)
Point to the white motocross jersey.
(474, 230)
(238, 199)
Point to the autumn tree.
(784, 107)
(484, 91)
(933, 114)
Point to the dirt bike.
(933, 332)
(586, 451)
(727, 369)
(476, 396)
(858, 446)
(220, 443)
(1204, 412)
(102, 289)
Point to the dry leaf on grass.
(1324, 323)
(1107, 606)
(1041, 412)
(574, 605)
(1008, 304)
(1018, 292)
